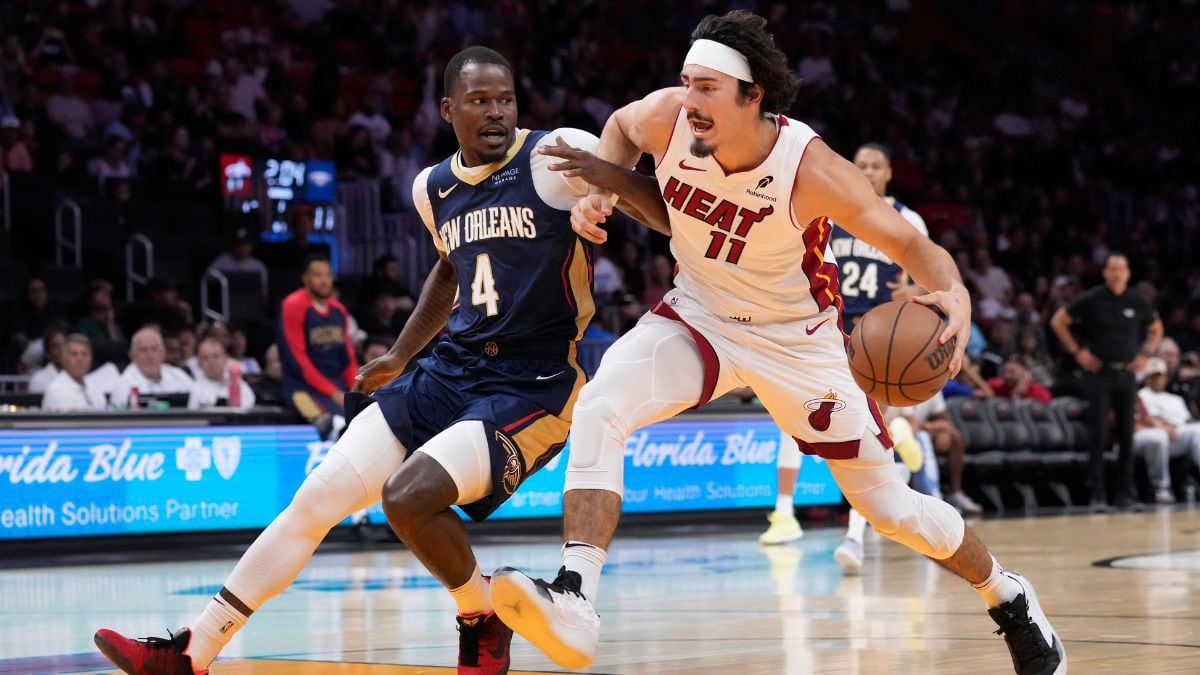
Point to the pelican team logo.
(823, 409)
(510, 478)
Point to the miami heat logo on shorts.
(510, 477)
(823, 409)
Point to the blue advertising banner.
(87, 482)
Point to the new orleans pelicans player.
(750, 195)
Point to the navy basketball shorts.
(524, 404)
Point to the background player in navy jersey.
(490, 406)
(315, 351)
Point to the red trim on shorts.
(566, 284)
(884, 436)
(708, 355)
(524, 420)
(836, 450)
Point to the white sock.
(587, 560)
(212, 630)
(857, 526)
(473, 597)
(785, 504)
(999, 587)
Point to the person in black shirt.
(1102, 329)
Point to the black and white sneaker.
(554, 616)
(1035, 648)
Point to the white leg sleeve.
(873, 486)
(652, 373)
(463, 452)
(789, 453)
(349, 479)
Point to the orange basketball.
(895, 356)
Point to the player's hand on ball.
(582, 164)
(587, 214)
(956, 305)
(378, 372)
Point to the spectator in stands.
(219, 382)
(315, 349)
(99, 322)
(70, 390)
(1031, 355)
(1152, 442)
(1170, 412)
(240, 258)
(14, 151)
(659, 280)
(1015, 383)
(148, 373)
(1101, 330)
(53, 343)
(357, 156)
(968, 382)
(387, 314)
(268, 385)
(991, 281)
(376, 347)
(1183, 378)
(111, 164)
(238, 350)
(162, 307)
(31, 315)
(386, 272)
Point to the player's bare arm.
(643, 126)
(828, 185)
(427, 320)
(636, 194)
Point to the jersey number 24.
(858, 280)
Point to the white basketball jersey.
(741, 252)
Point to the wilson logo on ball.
(939, 355)
(823, 409)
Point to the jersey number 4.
(483, 288)
(858, 281)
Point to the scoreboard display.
(276, 188)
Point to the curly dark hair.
(747, 33)
(475, 54)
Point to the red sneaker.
(149, 656)
(483, 642)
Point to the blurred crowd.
(1034, 137)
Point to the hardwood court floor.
(687, 602)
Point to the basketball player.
(870, 278)
(750, 194)
(471, 422)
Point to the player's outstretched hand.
(587, 214)
(378, 372)
(582, 164)
(956, 305)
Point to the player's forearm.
(431, 313)
(641, 199)
(929, 265)
(617, 147)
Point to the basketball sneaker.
(148, 656)
(849, 554)
(483, 642)
(554, 616)
(784, 528)
(1035, 648)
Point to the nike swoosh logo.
(690, 168)
(550, 377)
(813, 329)
(443, 193)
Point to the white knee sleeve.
(463, 452)
(596, 460)
(652, 373)
(873, 487)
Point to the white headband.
(712, 54)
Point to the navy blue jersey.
(524, 275)
(865, 271)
